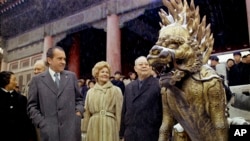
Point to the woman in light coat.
(103, 106)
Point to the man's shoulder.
(152, 79)
(132, 83)
(42, 74)
(67, 72)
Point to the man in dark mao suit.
(56, 110)
(142, 106)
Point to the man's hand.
(79, 114)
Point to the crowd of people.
(236, 69)
(57, 106)
(236, 72)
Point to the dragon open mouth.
(163, 69)
(162, 59)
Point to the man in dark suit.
(142, 106)
(55, 104)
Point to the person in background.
(103, 105)
(16, 125)
(38, 67)
(142, 106)
(229, 64)
(85, 88)
(244, 59)
(214, 61)
(240, 72)
(55, 104)
(131, 77)
(116, 81)
(246, 71)
(237, 57)
(122, 77)
(81, 84)
(91, 84)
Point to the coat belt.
(104, 113)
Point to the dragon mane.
(201, 38)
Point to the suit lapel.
(64, 78)
(145, 86)
(135, 89)
(49, 82)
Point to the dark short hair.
(130, 73)
(91, 81)
(50, 52)
(5, 78)
(118, 72)
(214, 58)
(230, 59)
(237, 53)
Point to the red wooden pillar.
(113, 43)
(48, 43)
(248, 15)
(74, 56)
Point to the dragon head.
(184, 43)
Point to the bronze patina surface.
(193, 93)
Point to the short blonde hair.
(98, 66)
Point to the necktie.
(140, 84)
(57, 79)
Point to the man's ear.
(135, 68)
(49, 60)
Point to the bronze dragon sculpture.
(193, 94)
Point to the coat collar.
(49, 82)
(145, 86)
(105, 86)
